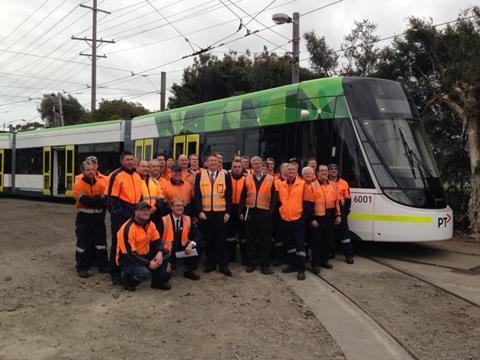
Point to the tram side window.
(107, 155)
(164, 146)
(266, 142)
(224, 142)
(29, 161)
(7, 165)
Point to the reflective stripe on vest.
(325, 197)
(213, 196)
(261, 198)
(237, 187)
(168, 235)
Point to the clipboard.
(181, 254)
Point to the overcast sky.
(37, 55)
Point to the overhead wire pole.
(93, 56)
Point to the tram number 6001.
(362, 199)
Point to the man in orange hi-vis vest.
(235, 227)
(213, 202)
(258, 203)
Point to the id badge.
(220, 188)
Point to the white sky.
(31, 30)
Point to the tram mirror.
(304, 114)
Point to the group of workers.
(164, 213)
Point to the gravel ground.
(47, 312)
(433, 324)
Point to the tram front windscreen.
(395, 142)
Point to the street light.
(280, 19)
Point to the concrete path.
(359, 337)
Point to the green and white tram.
(369, 127)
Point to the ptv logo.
(443, 221)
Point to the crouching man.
(140, 254)
(182, 239)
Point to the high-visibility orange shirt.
(325, 197)
(343, 190)
(167, 174)
(82, 187)
(292, 197)
(213, 196)
(183, 190)
(136, 238)
(99, 177)
(124, 185)
(262, 197)
(237, 188)
(151, 191)
(168, 235)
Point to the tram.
(369, 127)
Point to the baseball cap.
(142, 205)
(176, 167)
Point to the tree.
(118, 109)
(73, 111)
(323, 59)
(359, 50)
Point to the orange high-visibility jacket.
(98, 176)
(325, 197)
(168, 235)
(183, 190)
(84, 188)
(237, 188)
(261, 198)
(134, 239)
(127, 186)
(213, 196)
(151, 191)
(292, 197)
(343, 190)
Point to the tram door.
(46, 170)
(186, 144)
(69, 169)
(144, 149)
(2, 164)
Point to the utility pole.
(296, 48)
(163, 90)
(94, 43)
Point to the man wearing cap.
(89, 223)
(139, 252)
(98, 175)
(342, 232)
(176, 187)
(181, 237)
(124, 190)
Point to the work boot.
(191, 275)
(128, 283)
(266, 270)
(349, 260)
(315, 270)
(327, 265)
(209, 268)
(251, 268)
(225, 271)
(161, 286)
(301, 275)
(84, 274)
(289, 269)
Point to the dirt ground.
(433, 325)
(47, 312)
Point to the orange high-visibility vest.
(125, 186)
(325, 197)
(213, 196)
(83, 188)
(168, 235)
(291, 197)
(237, 188)
(343, 190)
(151, 191)
(261, 198)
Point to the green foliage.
(73, 111)
(210, 77)
(118, 109)
(323, 59)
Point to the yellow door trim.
(179, 139)
(196, 139)
(138, 150)
(147, 155)
(46, 170)
(69, 169)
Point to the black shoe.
(289, 269)
(191, 275)
(84, 274)
(301, 275)
(116, 280)
(349, 260)
(128, 283)
(315, 270)
(225, 271)
(161, 286)
(327, 265)
(209, 268)
(103, 270)
(251, 268)
(266, 270)
(277, 262)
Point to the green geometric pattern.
(322, 98)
